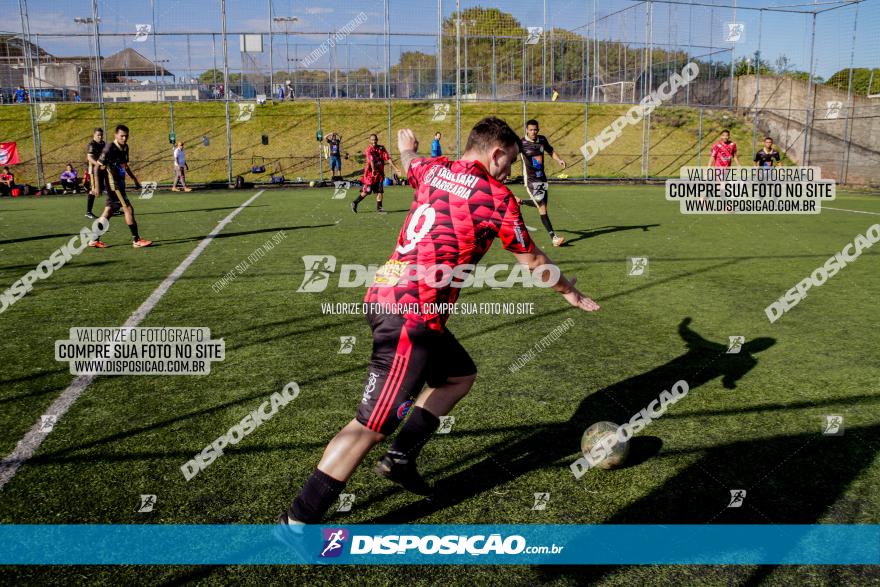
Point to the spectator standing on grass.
(68, 179)
(20, 95)
(180, 168)
(436, 150)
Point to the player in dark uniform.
(98, 177)
(114, 159)
(335, 142)
(374, 174)
(768, 156)
(535, 147)
(459, 208)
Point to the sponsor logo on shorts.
(403, 410)
(370, 387)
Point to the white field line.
(30, 442)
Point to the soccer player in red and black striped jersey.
(723, 152)
(459, 209)
(374, 174)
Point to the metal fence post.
(809, 113)
(700, 139)
(225, 91)
(847, 129)
(32, 103)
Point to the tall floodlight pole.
(286, 20)
(458, 78)
(271, 68)
(100, 74)
(544, 54)
(439, 49)
(155, 49)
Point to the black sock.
(90, 203)
(317, 495)
(133, 227)
(378, 204)
(358, 199)
(417, 430)
(528, 202)
(545, 220)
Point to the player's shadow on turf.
(201, 209)
(593, 232)
(38, 237)
(556, 445)
(787, 479)
(244, 233)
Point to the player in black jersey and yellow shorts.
(114, 159)
(535, 147)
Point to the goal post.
(615, 92)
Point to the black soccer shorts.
(539, 191)
(116, 194)
(406, 356)
(377, 187)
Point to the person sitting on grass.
(68, 180)
(7, 182)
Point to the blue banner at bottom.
(439, 544)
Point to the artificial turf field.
(751, 420)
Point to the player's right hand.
(406, 140)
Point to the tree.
(865, 81)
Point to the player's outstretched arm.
(563, 285)
(408, 145)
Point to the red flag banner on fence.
(8, 154)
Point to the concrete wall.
(844, 141)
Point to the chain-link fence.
(246, 83)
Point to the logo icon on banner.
(318, 270)
(333, 542)
(142, 32)
(440, 112)
(148, 502)
(737, 496)
(541, 501)
(833, 109)
(346, 345)
(446, 423)
(340, 188)
(47, 422)
(735, 344)
(346, 500)
(245, 111)
(147, 189)
(47, 112)
(734, 32)
(637, 266)
(534, 36)
(8, 154)
(833, 425)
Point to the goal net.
(616, 92)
